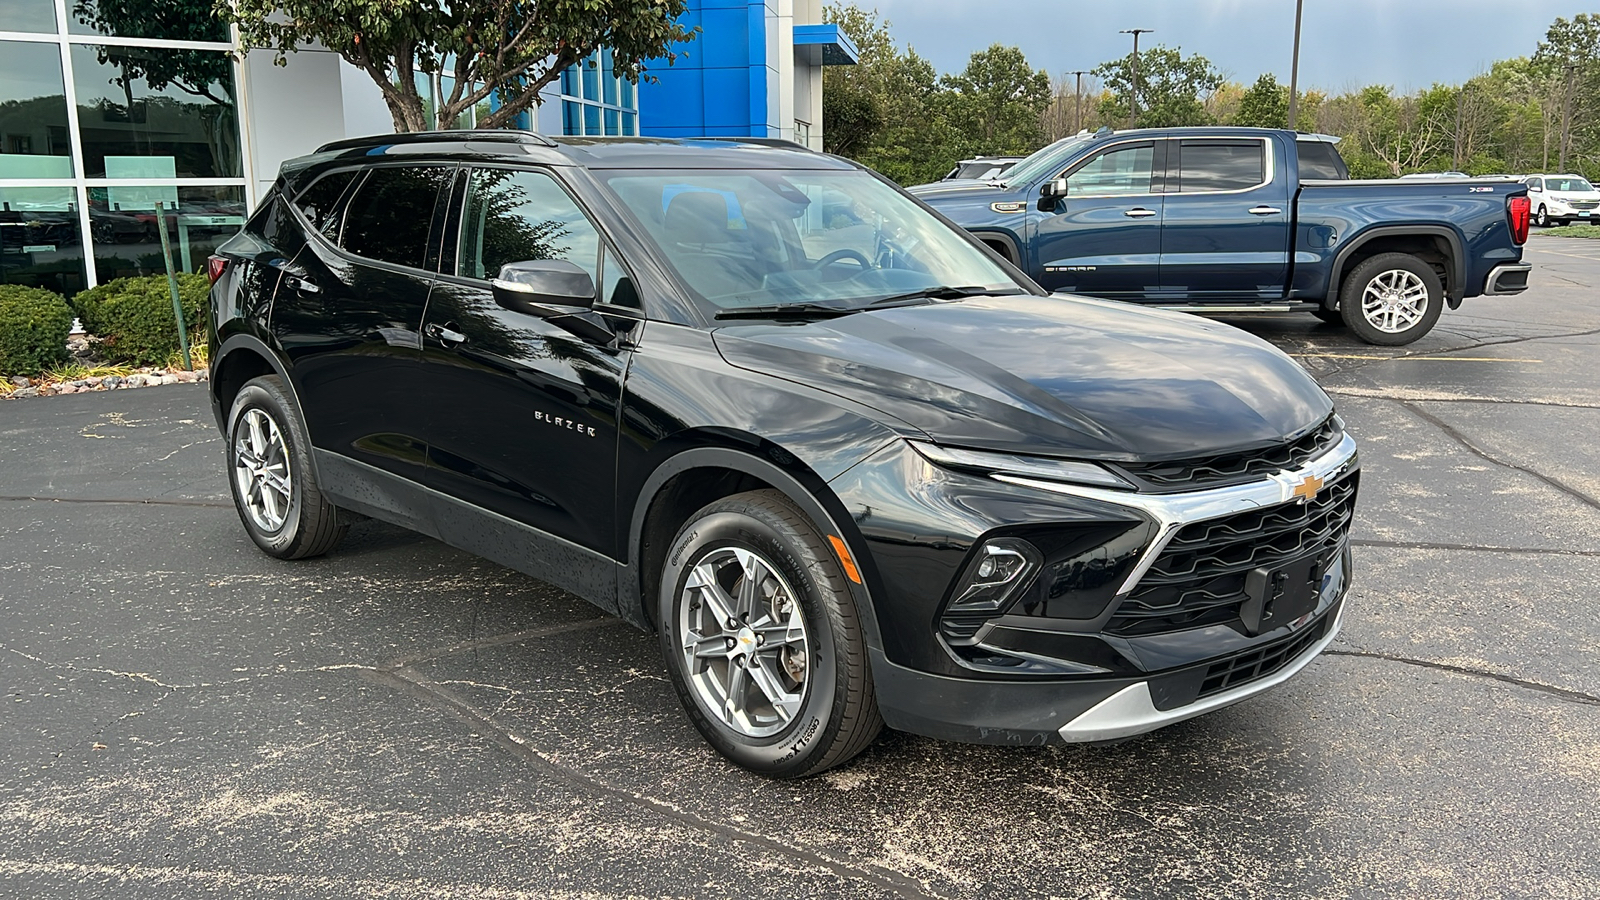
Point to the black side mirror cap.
(543, 287)
(555, 290)
(1051, 193)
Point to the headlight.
(1067, 470)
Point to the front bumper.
(1090, 680)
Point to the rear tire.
(763, 640)
(1391, 299)
(271, 478)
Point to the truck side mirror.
(1051, 193)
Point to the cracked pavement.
(183, 716)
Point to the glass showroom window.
(596, 102)
(109, 111)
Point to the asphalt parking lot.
(184, 716)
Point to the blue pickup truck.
(1247, 219)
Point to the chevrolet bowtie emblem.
(1307, 489)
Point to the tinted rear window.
(320, 201)
(1319, 159)
(1221, 165)
(389, 217)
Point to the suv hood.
(1053, 376)
(957, 189)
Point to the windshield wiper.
(933, 293)
(787, 311)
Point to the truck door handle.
(1139, 212)
(1264, 210)
(441, 333)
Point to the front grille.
(1235, 468)
(1262, 661)
(1585, 204)
(1199, 578)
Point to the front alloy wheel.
(763, 638)
(744, 641)
(1541, 218)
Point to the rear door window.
(392, 213)
(319, 203)
(1209, 166)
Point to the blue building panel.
(731, 90)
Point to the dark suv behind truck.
(853, 469)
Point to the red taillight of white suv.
(1517, 211)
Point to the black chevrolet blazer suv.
(853, 468)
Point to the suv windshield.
(743, 238)
(1045, 161)
(1571, 184)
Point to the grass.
(200, 354)
(78, 372)
(1573, 231)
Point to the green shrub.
(134, 316)
(33, 329)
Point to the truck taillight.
(1517, 209)
(216, 265)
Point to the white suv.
(1562, 199)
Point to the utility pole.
(1294, 69)
(1566, 118)
(1133, 98)
(1077, 106)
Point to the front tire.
(763, 640)
(1392, 299)
(271, 478)
(1542, 218)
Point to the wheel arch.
(698, 475)
(243, 357)
(1438, 245)
(1001, 243)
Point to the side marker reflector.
(843, 552)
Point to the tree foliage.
(1173, 88)
(506, 49)
(996, 101)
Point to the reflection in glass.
(173, 20)
(33, 112)
(33, 16)
(518, 216)
(39, 241)
(123, 226)
(176, 105)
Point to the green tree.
(508, 49)
(1567, 59)
(1172, 88)
(997, 100)
(1264, 105)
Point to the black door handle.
(302, 284)
(441, 333)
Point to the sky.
(1406, 44)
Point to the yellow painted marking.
(1506, 359)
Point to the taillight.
(216, 265)
(1517, 209)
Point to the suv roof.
(589, 152)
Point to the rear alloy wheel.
(1392, 299)
(270, 476)
(763, 640)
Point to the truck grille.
(1235, 468)
(1199, 578)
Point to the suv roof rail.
(764, 141)
(502, 135)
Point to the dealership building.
(106, 117)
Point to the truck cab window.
(1119, 170)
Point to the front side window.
(1535, 184)
(742, 238)
(1205, 166)
(389, 217)
(1118, 170)
(517, 215)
